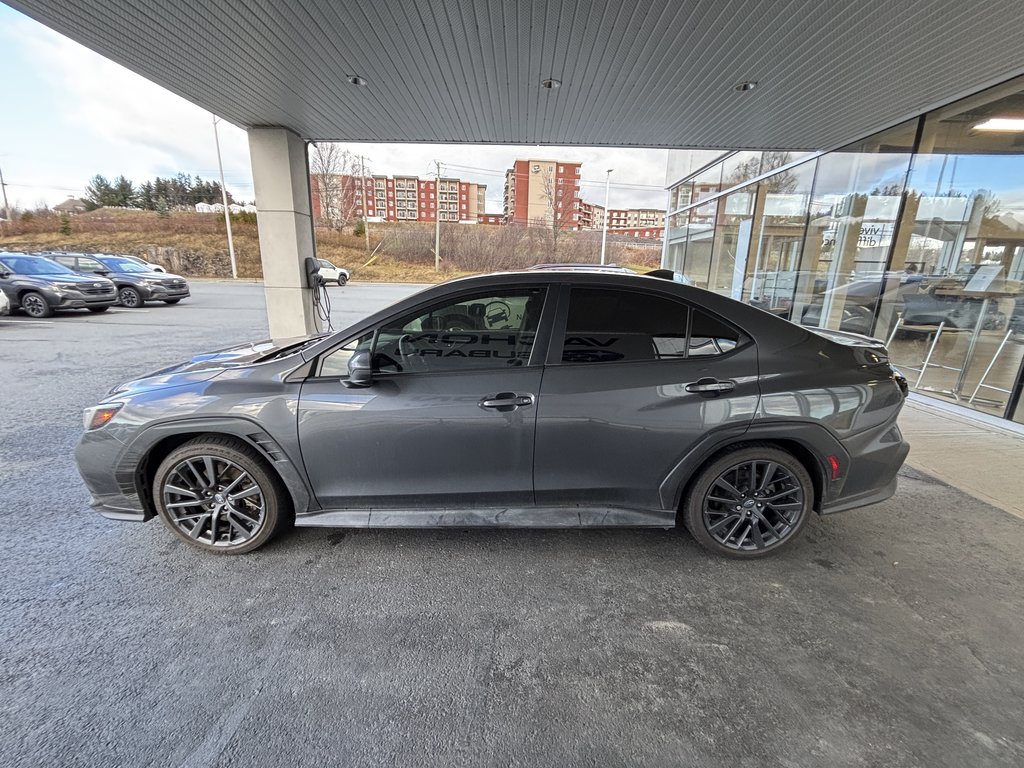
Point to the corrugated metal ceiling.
(655, 73)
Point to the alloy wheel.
(128, 297)
(214, 501)
(753, 505)
(34, 305)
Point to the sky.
(68, 114)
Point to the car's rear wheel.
(98, 309)
(171, 301)
(130, 298)
(36, 305)
(342, 279)
(216, 494)
(750, 502)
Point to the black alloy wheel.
(217, 495)
(36, 305)
(750, 502)
(129, 297)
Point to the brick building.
(543, 192)
(402, 198)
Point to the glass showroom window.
(961, 252)
(853, 210)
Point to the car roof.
(573, 267)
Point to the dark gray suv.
(529, 399)
(39, 286)
(136, 283)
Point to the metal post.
(3, 187)
(604, 233)
(224, 198)
(437, 220)
(362, 186)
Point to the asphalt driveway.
(887, 636)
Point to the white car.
(5, 304)
(143, 262)
(331, 273)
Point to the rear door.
(634, 379)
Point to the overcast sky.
(69, 114)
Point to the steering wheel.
(497, 314)
(457, 322)
(408, 353)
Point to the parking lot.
(886, 636)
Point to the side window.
(492, 330)
(710, 336)
(67, 261)
(335, 362)
(607, 325)
(88, 265)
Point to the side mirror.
(102, 272)
(4, 274)
(360, 370)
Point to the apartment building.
(637, 222)
(543, 193)
(399, 198)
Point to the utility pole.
(224, 198)
(604, 233)
(437, 219)
(3, 186)
(362, 196)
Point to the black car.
(542, 399)
(136, 284)
(38, 286)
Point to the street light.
(604, 233)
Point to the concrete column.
(280, 174)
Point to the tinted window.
(606, 325)
(34, 265)
(493, 330)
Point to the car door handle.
(710, 385)
(506, 401)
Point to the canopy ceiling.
(653, 73)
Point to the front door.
(449, 419)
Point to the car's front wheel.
(130, 298)
(36, 305)
(749, 502)
(215, 493)
(342, 279)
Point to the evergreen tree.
(146, 198)
(162, 209)
(124, 192)
(99, 193)
(65, 224)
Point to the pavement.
(886, 636)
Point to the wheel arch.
(139, 463)
(808, 443)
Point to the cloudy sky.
(69, 114)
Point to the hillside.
(195, 245)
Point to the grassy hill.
(195, 244)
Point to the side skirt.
(487, 517)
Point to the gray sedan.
(550, 399)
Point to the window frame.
(558, 331)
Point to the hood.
(69, 277)
(207, 365)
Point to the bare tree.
(333, 171)
(560, 200)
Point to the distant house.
(71, 206)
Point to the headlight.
(98, 415)
(66, 286)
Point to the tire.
(204, 513)
(129, 297)
(98, 309)
(35, 305)
(724, 510)
(171, 301)
(342, 280)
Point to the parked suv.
(136, 284)
(39, 286)
(331, 273)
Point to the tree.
(560, 201)
(99, 192)
(124, 192)
(146, 198)
(333, 171)
(162, 209)
(65, 224)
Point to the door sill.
(491, 517)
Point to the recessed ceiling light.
(356, 80)
(1001, 124)
(746, 85)
(551, 84)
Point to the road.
(888, 636)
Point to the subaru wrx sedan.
(539, 399)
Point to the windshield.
(34, 265)
(120, 264)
